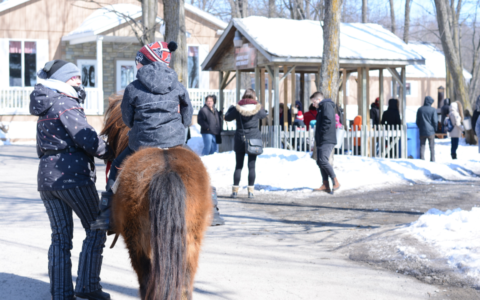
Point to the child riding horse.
(156, 108)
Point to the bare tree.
(239, 8)
(406, 29)
(475, 70)
(271, 8)
(392, 17)
(149, 16)
(364, 11)
(174, 18)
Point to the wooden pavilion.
(279, 47)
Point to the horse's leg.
(193, 253)
(141, 265)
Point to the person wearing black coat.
(391, 117)
(66, 145)
(445, 111)
(375, 112)
(157, 109)
(325, 139)
(210, 121)
(247, 113)
(427, 122)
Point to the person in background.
(338, 124)
(299, 120)
(456, 117)
(375, 112)
(66, 145)
(427, 122)
(475, 117)
(477, 130)
(310, 115)
(289, 114)
(445, 111)
(247, 114)
(299, 106)
(326, 139)
(340, 113)
(391, 118)
(210, 122)
(357, 142)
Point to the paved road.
(278, 246)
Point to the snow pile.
(282, 170)
(455, 234)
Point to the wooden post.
(359, 91)
(344, 84)
(221, 98)
(270, 100)
(257, 82)
(238, 80)
(404, 112)
(262, 92)
(364, 108)
(294, 91)
(302, 92)
(276, 91)
(285, 99)
(380, 92)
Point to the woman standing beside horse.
(247, 113)
(66, 144)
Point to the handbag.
(252, 146)
(449, 124)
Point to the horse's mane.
(114, 128)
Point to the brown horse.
(162, 208)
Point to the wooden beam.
(224, 79)
(344, 80)
(238, 86)
(381, 92)
(269, 70)
(364, 84)
(359, 91)
(302, 92)
(262, 92)
(257, 82)
(276, 96)
(293, 76)
(221, 99)
(270, 100)
(404, 108)
(286, 71)
(396, 76)
(231, 79)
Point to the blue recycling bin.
(413, 141)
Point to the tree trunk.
(331, 45)
(364, 11)
(392, 17)
(271, 8)
(406, 29)
(149, 15)
(174, 18)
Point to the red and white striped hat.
(158, 51)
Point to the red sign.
(245, 57)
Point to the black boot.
(97, 295)
(103, 219)
(217, 219)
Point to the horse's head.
(114, 128)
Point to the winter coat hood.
(158, 78)
(46, 93)
(248, 107)
(428, 101)
(477, 104)
(374, 106)
(454, 107)
(392, 104)
(300, 106)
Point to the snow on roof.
(434, 62)
(304, 39)
(205, 15)
(105, 18)
(7, 4)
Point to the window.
(22, 63)
(126, 73)
(193, 68)
(408, 88)
(87, 70)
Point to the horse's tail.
(167, 195)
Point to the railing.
(197, 97)
(16, 100)
(382, 141)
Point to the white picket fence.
(383, 141)
(16, 100)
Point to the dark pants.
(431, 143)
(323, 154)
(59, 204)
(240, 158)
(117, 162)
(454, 147)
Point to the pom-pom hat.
(158, 51)
(300, 115)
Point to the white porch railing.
(16, 100)
(197, 97)
(382, 141)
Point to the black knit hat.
(59, 70)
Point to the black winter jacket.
(62, 125)
(392, 116)
(157, 108)
(210, 121)
(247, 113)
(325, 132)
(374, 114)
(427, 119)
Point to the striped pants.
(59, 204)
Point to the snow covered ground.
(282, 170)
(453, 233)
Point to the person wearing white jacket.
(456, 117)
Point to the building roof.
(434, 62)
(205, 15)
(7, 4)
(285, 40)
